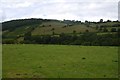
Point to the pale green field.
(58, 29)
(59, 61)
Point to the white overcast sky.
(91, 10)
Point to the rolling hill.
(16, 29)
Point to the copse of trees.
(109, 21)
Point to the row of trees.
(107, 30)
(91, 39)
(88, 38)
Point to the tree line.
(86, 39)
(89, 39)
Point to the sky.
(91, 10)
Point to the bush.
(74, 31)
(105, 30)
(113, 30)
(86, 44)
(8, 41)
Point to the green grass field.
(0, 61)
(59, 61)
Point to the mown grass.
(59, 61)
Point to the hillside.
(17, 29)
(42, 27)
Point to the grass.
(59, 29)
(18, 31)
(0, 61)
(59, 61)
(102, 33)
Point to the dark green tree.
(105, 29)
(113, 30)
(101, 20)
(74, 31)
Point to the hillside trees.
(11, 25)
(105, 29)
(74, 31)
(101, 20)
(113, 30)
(91, 39)
(8, 41)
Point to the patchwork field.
(59, 61)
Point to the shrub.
(113, 30)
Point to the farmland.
(0, 61)
(59, 28)
(48, 48)
(68, 32)
(59, 61)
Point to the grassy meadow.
(0, 61)
(59, 61)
